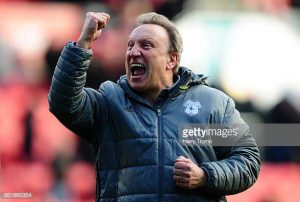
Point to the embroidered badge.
(191, 107)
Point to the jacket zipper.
(159, 153)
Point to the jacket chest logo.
(192, 107)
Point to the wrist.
(84, 43)
(202, 178)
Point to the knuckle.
(189, 175)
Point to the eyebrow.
(144, 39)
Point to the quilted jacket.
(137, 142)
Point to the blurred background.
(249, 48)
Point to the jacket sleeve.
(77, 107)
(237, 167)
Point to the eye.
(147, 45)
(129, 45)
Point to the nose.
(134, 52)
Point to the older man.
(134, 124)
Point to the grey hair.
(173, 33)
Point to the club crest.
(191, 107)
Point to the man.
(134, 124)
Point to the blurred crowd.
(40, 156)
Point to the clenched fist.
(187, 174)
(92, 28)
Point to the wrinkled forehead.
(152, 31)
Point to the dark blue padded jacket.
(137, 143)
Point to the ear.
(173, 60)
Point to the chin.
(137, 87)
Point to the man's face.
(148, 59)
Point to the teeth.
(136, 65)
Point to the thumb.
(181, 158)
(97, 34)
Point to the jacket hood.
(183, 81)
(190, 78)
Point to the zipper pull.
(158, 112)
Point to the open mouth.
(137, 70)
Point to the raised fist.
(92, 28)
